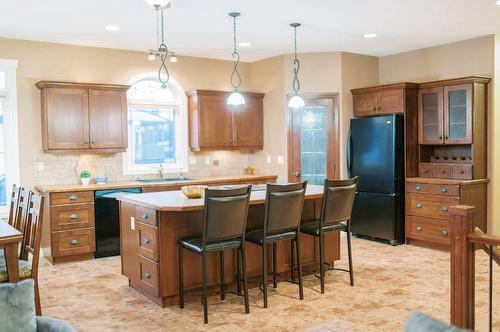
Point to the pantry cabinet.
(80, 117)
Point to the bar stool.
(224, 223)
(283, 213)
(336, 209)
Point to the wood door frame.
(332, 129)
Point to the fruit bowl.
(193, 191)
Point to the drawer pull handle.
(73, 197)
(146, 241)
(444, 233)
(418, 229)
(444, 190)
(418, 187)
(426, 171)
(462, 172)
(144, 216)
(418, 206)
(73, 216)
(443, 171)
(147, 275)
(444, 209)
(74, 242)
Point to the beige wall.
(465, 58)
(495, 133)
(47, 61)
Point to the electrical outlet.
(269, 159)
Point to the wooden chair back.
(14, 202)
(33, 232)
(22, 210)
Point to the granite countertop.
(138, 184)
(176, 201)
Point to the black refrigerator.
(375, 153)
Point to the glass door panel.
(313, 144)
(431, 116)
(458, 114)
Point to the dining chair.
(30, 247)
(13, 206)
(224, 222)
(283, 212)
(336, 209)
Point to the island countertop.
(212, 180)
(176, 201)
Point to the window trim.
(12, 169)
(181, 125)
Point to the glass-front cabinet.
(445, 115)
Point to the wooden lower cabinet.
(428, 203)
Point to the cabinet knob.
(440, 137)
(146, 241)
(446, 137)
(444, 233)
(375, 109)
(73, 242)
(443, 171)
(444, 209)
(418, 187)
(147, 275)
(73, 216)
(444, 190)
(92, 142)
(418, 229)
(145, 216)
(378, 108)
(73, 197)
(418, 206)
(462, 171)
(426, 171)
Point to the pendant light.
(296, 101)
(236, 98)
(162, 52)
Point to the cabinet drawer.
(430, 206)
(149, 276)
(145, 215)
(74, 242)
(442, 171)
(428, 229)
(434, 189)
(148, 241)
(462, 171)
(425, 170)
(72, 197)
(72, 216)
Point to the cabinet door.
(365, 104)
(458, 114)
(216, 122)
(248, 124)
(390, 101)
(430, 116)
(66, 119)
(108, 119)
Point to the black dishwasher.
(107, 221)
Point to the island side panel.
(128, 242)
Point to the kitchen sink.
(161, 180)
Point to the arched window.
(157, 127)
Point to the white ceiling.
(203, 28)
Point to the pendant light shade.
(296, 101)
(236, 98)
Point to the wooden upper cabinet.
(382, 99)
(65, 119)
(83, 117)
(215, 125)
(430, 116)
(108, 119)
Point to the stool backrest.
(284, 203)
(338, 200)
(33, 232)
(225, 214)
(13, 207)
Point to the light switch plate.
(132, 223)
(280, 160)
(269, 159)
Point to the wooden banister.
(462, 265)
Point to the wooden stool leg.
(38, 306)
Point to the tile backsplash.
(61, 168)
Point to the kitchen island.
(152, 223)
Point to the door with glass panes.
(313, 140)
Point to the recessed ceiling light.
(370, 35)
(112, 28)
(244, 44)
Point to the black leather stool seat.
(312, 227)
(255, 236)
(195, 244)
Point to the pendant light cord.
(163, 73)
(235, 75)
(296, 66)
